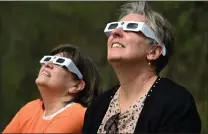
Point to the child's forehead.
(63, 54)
(59, 54)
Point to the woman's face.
(55, 78)
(132, 45)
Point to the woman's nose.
(118, 32)
(49, 64)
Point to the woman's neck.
(134, 82)
(53, 102)
(52, 106)
(132, 75)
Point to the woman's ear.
(154, 53)
(79, 86)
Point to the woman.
(67, 83)
(139, 47)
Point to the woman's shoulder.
(168, 96)
(32, 106)
(74, 109)
(78, 108)
(29, 110)
(168, 86)
(34, 103)
(168, 91)
(170, 102)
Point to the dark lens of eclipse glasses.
(47, 59)
(112, 26)
(60, 60)
(132, 26)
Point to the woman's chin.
(40, 82)
(114, 58)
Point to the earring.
(149, 63)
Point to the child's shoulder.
(31, 107)
(75, 109)
(34, 104)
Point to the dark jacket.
(169, 108)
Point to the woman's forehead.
(134, 17)
(63, 54)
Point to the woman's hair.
(91, 76)
(159, 25)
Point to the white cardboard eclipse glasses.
(134, 27)
(62, 61)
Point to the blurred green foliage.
(28, 30)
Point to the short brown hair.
(88, 69)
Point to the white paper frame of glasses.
(141, 27)
(67, 63)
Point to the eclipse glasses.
(133, 26)
(62, 61)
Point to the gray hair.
(160, 26)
